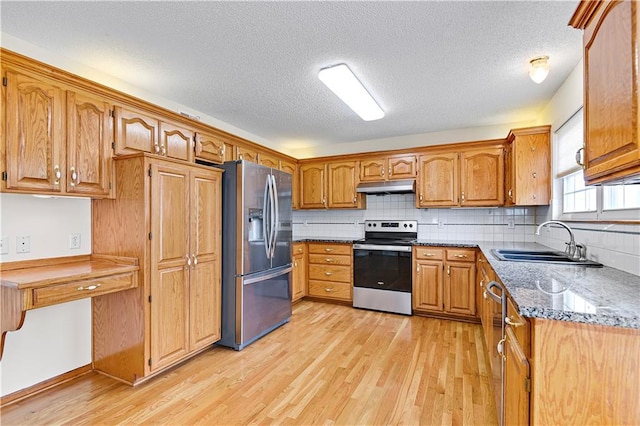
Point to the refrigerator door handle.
(275, 217)
(264, 277)
(266, 234)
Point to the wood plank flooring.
(331, 364)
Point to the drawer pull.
(328, 249)
(461, 255)
(428, 254)
(512, 323)
(328, 290)
(328, 259)
(89, 287)
(328, 273)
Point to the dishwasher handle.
(489, 290)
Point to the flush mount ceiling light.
(348, 88)
(539, 69)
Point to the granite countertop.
(602, 296)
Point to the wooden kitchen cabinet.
(57, 140)
(299, 275)
(528, 167)
(313, 186)
(135, 131)
(517, 377)
(470, 178)
(342, 181)
(292, 168)
(485, 305)
(444, 281)
(388, 168)
(209, 148)
(269, 161)
(170, 207)
(176, 141)
(330, 271)
(610, 40)
(246, 154)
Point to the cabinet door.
(482, 177)
(342, 185)
(611, 91)
(438, 180)
(459, 289)
(246, 154)
(135, 131)
(373, 170)
(402, 167)
(89, 138)
(268, 161)
(34, 134)
(428, 286)
(209, 148)
(299, 278)
(205, 285)
(509, 176)
(312, 186)
(528, 169)
(169, 264)
(516, 382)
(291, 168)
(176, 141)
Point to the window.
(618, 202)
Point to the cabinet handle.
(241, 156)
(579, 159)
(484, 294)
(428, 254)
(324, 201)
(461, 256)
(328, 273)
(188, 260)
(195, 260)
(89, 287)
(382, 171)
(511, 194)
(164, 150)
(512, 323)
(222, 151)
(481, 283)
(500, 346)
(420, 196)
(389, 171)
(57, 175)
(328, 290)
(328, 259)
(295, 263)
(328, 249)
(354, 199)
(418, 267)
(462, 196)
(74, 176)
(448, 270)
(157, 148)
(534, 174)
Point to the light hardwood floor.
(330, 365)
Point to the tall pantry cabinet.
(167, 214)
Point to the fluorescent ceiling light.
(348, 88)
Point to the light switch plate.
(23, 244)
(4, 245)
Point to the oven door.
(382, 278)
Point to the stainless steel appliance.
(382, 266)
(496, 293)
(256, 252)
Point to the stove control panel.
(391, 225)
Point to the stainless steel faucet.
(575, 251)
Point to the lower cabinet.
(166, 213)
(299, 275)
(517, 377)
(444, 281)
(330, 271)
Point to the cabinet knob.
(156, 149)
(512, 323)
(74, 176)
(164, 150)
(382, 171)
(418, 267)
(420, 196)
(534, 174)
(510, 194)
(354, 199)
(462, 195)
(448, 270)
(195, 260)
(389, 171)
(57, 175)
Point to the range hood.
(388, 187)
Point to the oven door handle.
(491, 294)
(376, 247)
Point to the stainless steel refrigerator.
(256, 252)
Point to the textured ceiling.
(431, 66)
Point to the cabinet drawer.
(297, 248)
(45, 296)
(330, 259)
(429, 253)
(330, 290)
(330, 248)
(464, 255)
(519, 325)
(330, 273)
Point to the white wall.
(55, 339)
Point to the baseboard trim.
(42, 386)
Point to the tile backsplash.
(615, 245)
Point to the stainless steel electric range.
(382, 266)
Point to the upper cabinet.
(292, 168)
(313, 186)
(269, 160)
(388, 168)
(470, 178)
(330, 185)
(176, 141)
(136, 131)
(527, 167)
(611, 42)
(56, 140)
(210, 148)
(246, 154)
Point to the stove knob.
(405, 225)
(411, 225)
(368, 224)
(375, 224)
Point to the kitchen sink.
(540, 256)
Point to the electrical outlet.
(305, 224)
(441, 223)
(4, 245)
(23, 244)
(74, 241)
(511, 224)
